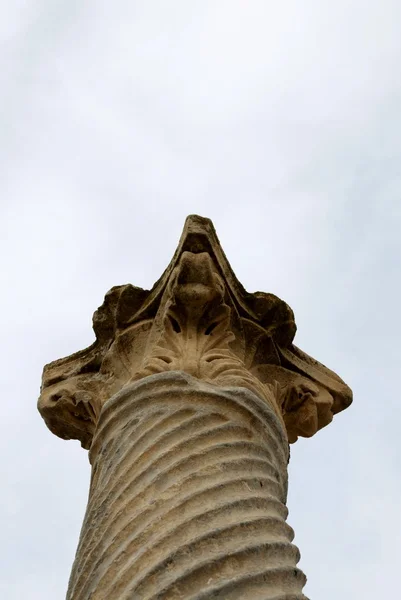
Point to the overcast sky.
(281, 121)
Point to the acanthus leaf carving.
(198, 319)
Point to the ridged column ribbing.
(187, 498)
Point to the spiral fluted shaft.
(187, 498)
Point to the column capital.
(198, 319)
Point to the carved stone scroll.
(198, 319)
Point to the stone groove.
(187, 498)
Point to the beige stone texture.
(187, 498)
(187, 401)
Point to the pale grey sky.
(281, 121)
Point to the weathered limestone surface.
(187, 401)
(187, 498)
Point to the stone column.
(187, 402)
